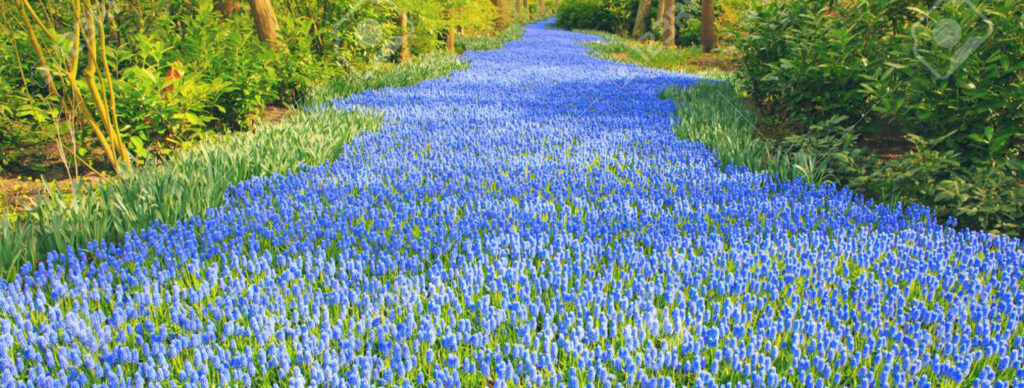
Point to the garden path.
(531, 220)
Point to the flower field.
(531, 221)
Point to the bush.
(981, 100)
(604, 15)
(195, 179)
(986, 197)
(867, 68)
(689, 32)
(802, 65)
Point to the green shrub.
(603, 15)
(196, 178)
(688, 33)
(980, 100)
(980, 196)
(825, 77)
(802, 65)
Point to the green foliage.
(420, 68)
(488, 42)
(711, 113)
(826, 152)
(604, 15)
(192, 180)
(981, 196)
(649, 53)
(688, 33)
(196, 178)
(827, 76)
(802, 64)
(985, 197)
(933, 90)
(182, 72)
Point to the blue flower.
(541, 214)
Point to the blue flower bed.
(530, 221)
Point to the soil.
(887, 144)
(718, 61)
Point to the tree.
(660, 17)
(642, 11)
(503, 20)
(449, 42)
(266, 23)
(458, 15)
(403, 25)
(708, 40)
(526, 9)
(668, 23)
(226, 7)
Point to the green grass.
(713, 114)
(426, 66)
(196, 178)
(648, 54)
(488, 42)
(655, 55)
(185, 185)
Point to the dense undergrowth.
(903, 102)
(89, 85)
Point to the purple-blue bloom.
(531, 220)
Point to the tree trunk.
(266, 22)
(226, 8)
(540, 7)
(526, 9)
(503, 17)
(450, 39)
(668, 35)
(519, 10)
(403, 24)
(640, 25)
(708, 40)
(660, 17)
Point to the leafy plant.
(196, 178)
(603, 15)
(710, 113)
(890, 69)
